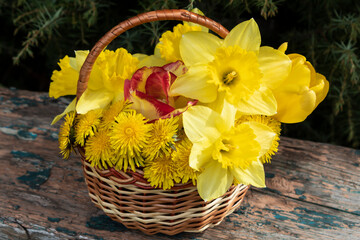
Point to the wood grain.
(313, 188)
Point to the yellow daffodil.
(301, 92)
(272, 133)
(236, 69)
(168, 46)
(106, 81)
(224, 151)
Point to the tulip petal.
(254, 175)
(246, 35)
(262, 102)
(158, 84)
(69, 108)
(194, 84)
(93, 100)
(214, 181)
(178, 68)
(200, 125)
(138, 79)
(127, 84)
(198, 47)
(161, 108)
(179, 111)
(274, 65)
(144, 107)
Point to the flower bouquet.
(171, 142)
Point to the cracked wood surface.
(313, 189)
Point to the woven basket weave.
(127, 197)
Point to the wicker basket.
(127, 197)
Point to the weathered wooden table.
(313, 188)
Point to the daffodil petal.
(295, 107)
(69, 108)
(63, 81)
(200, 125)
(198, 47)
(194, 84)
(149, 61)
(79, 59)
(214, 181)
(199, 156)
(264, 135)
(321, 88)
(246, 35)
(262, 102)
(254, 175)
(274, 65)
(228, 114)
(93, 100)
(283, 47)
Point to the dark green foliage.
(37, 33)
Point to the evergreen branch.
(46, 23)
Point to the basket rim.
(129, 177)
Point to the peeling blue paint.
(319, 219)
(23, 101)
(34, 179)
(54, 219)
(269, 175)
(26, 135)
(21, 133)
(66, 231)
(302, 197)
(299, 192)
(103, 222)
(23, 154)
(356, 212)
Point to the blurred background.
(36, 34)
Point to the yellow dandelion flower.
(66, 134)
(181, 158)
(161, 137)
(270, 123)
(111, 112)
(162, 172)
(86, 125)
(128, 136)
(169, 41)
(98, 150)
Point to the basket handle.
(158, 15)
